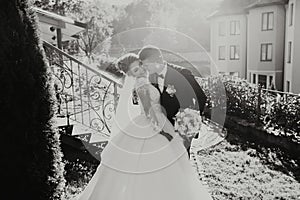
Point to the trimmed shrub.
(279, 114)
(282, 116)
(78, 175)
(31, 158)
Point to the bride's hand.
(154, 120)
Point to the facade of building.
(228, 43)
(265, 44)
(269, 41)
(292, 46)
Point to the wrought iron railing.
(83, 93)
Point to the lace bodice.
(154, 95)
(150, 100)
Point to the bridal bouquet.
(187, 123)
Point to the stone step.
(96, 137)
(79, 129)
(61, 121)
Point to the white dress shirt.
(161, 81)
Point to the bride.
(145, 158)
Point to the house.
(56, 29)
(267, 41)
(228, 41)
(292, 45)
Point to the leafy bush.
(277, 113)
(108, 64)
(283, 113)
(242, 99)
(78, 174)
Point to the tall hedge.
(31, 166)
(278, 114)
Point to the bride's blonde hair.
(126, 60)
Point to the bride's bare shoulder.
(142, 83)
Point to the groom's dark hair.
(151, 53)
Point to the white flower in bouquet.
(171, 90)
(188, 122)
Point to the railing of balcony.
(83, 93)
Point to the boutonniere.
(171, 90)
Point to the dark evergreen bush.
(78, 174)
(31, 166)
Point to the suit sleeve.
(200, 95)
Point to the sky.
(118, 2)
(125, 2)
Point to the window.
(288, 86)
(265, 81)
(254, 78)
(271, 80)
(267, 21)
(271, 83)
(262, 80)
(221, 52)
(266, 52)
(235, 28)
(291, 18)
(221, 28)
(289, 55)
(234, 52)
(234, 74)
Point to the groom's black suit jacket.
(187, 89)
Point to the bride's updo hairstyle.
(125, 61)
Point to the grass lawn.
(233, 169)
(236, 169)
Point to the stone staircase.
(86, 101)
(81, 137)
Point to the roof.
(231, 7)
(243, 7)
(224, 12)
(54, 16)
(49, 21)
(262, 3)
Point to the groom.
(178, 87)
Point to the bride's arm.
(144, 95)
(159, 120)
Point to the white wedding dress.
(140, 164)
